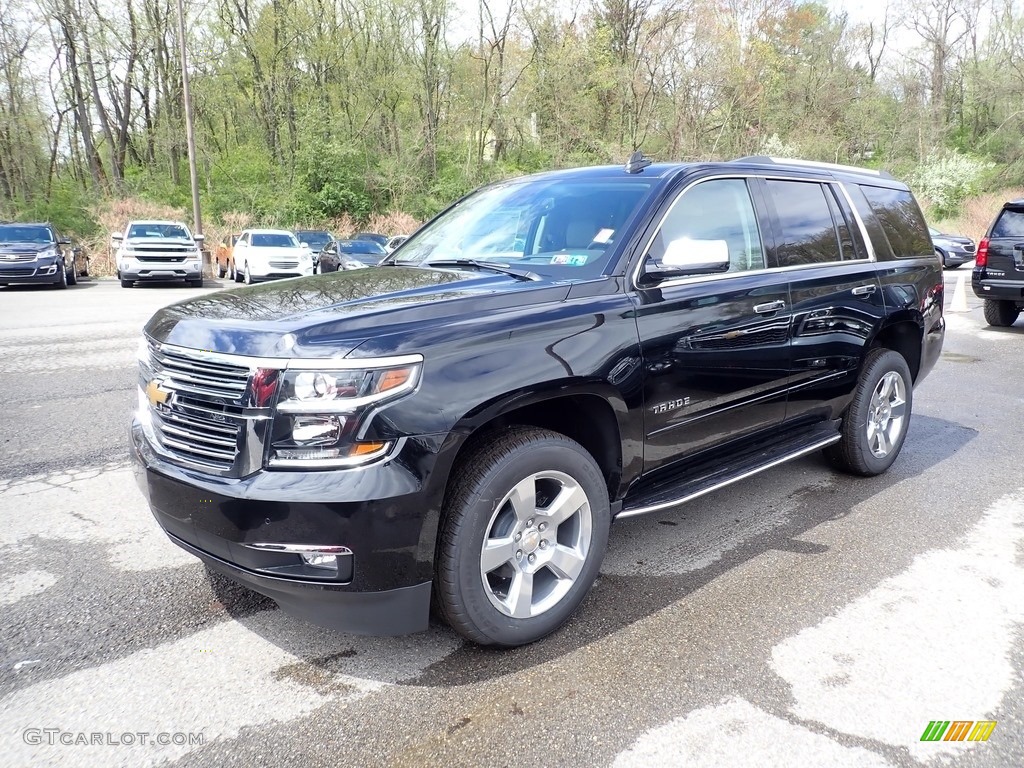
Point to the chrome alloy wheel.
(887, 414)
(536, 544)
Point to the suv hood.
(330, 315)
(25, 247)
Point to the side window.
(809, 234)
(901, 220)
(721, 210)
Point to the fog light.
(320, 560)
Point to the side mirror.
(64, 241)
(691, 257)
(199, 238)
(305, 245)
(117, 237)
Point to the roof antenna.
(637, 162)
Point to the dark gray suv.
(998, 275)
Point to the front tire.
(72, 276)
(525, 528)
(875, 425)
(221, 270)
(62, 278)
(1001, 313)
(247, 275)
(196, 283)
(127, 283)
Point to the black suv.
(464, 422)
(998, 275)
(35, 254)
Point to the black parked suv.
(998, 275)
(463, 423)
(36, 254)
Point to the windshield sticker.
(604, 235)
(570, 260)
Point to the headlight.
(321, 413)
(49, 253)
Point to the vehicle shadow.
(621, 597)
(83, 282)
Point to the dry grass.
(978, 213)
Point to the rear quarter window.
(901, 221)
(1009, 224)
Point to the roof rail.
(812, 164)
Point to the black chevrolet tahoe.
(460, 425)
(998, 275)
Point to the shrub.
(944, 181)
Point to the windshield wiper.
(503, 269)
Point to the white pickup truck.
(158, 251)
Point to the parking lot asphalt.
(799, 618)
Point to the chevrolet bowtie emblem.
(155, 394)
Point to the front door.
(715, 347)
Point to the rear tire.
(524, 531)
(1001, 313)
(221, 270)
(875, 425)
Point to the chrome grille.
(284, 264)
(184, 373)
(20, 272)
(969, 247)
(201, 421)
(10, 257)
(184, 432)
(163, 248)
(161, 258)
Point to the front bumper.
(956, 255)
(132, 269)
(30, 273)
(380, 513)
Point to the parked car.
(379, 239)
(267, 254)
(998, 275)
(226, 257)
(340, 254)
(36, 254)
(81, 258)
(463, 428)
(954, 250)
(392, 245)
(158, 251)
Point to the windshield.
(361, 246)
(144, 229)
(16, 233)
(315, 240)
(556, 228)
(270, 240)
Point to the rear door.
(836, 296)
(1006, 245)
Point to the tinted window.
(17, 233)
(715, 210)
(1009, 224)
(313, 238)
(808, 233)
(901, 221)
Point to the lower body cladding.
(350, 550)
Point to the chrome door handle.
(769, 307)
(864, 290)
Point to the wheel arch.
(904, 334)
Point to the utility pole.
(189, 131)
